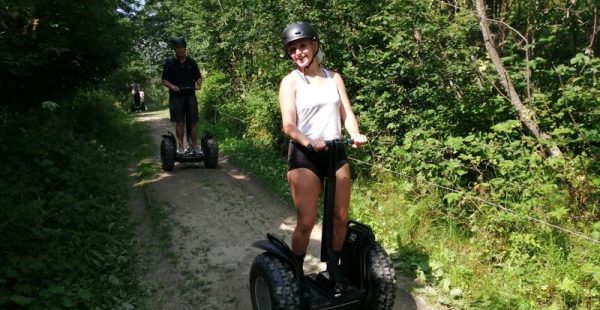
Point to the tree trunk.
(526, 115)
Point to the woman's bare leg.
(342, 201)
(306, 188)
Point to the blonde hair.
(320, 55)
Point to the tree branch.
(526, 115)
(590, 49)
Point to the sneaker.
(180, 150)
(196, 150)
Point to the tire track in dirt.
(215, 215)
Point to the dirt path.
(196, 230)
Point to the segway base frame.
(190, 157)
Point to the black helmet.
(298, 31)
(178, 41)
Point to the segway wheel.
(273, 284)
(211, 154)
(167, 154)
(381, 280)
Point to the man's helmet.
(178, 42)
(298, 31)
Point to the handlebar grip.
(343, 141)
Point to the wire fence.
(481, 200)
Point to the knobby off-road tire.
(273, 284)
(211, 154)
(381, 280)
(167, 154)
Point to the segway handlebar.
(343, 141)
(187, 90)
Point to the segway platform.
(168, 155)
(324, 296)
(189, 157)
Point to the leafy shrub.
(263, 119)
(64, 194)
(217, 91)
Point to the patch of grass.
(474, 269)
(146, 170)
(162, 228)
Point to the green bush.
(217, 91)
(253, 115)
(156, 95)
(64, 195)
(263, 117)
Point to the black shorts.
(301, 157)
(182, 106)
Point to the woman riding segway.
(359, 274)
(314, 103)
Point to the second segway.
(209, 148)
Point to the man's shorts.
(184, 106)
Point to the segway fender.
(360, 236)
(204, 140)
(169, 135)
(359, 240)
(280, 249)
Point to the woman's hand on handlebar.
(317, 144)
(359, 140)
(175, 88)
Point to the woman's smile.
(300, 59)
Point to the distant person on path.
(314, 104)
(141, 96)
(135, 91)
(182, 77)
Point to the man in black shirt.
(182, 76)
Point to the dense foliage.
(65, 146)
(64, 194)
(50, 48)
(431, 102)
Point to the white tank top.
(318, 108)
